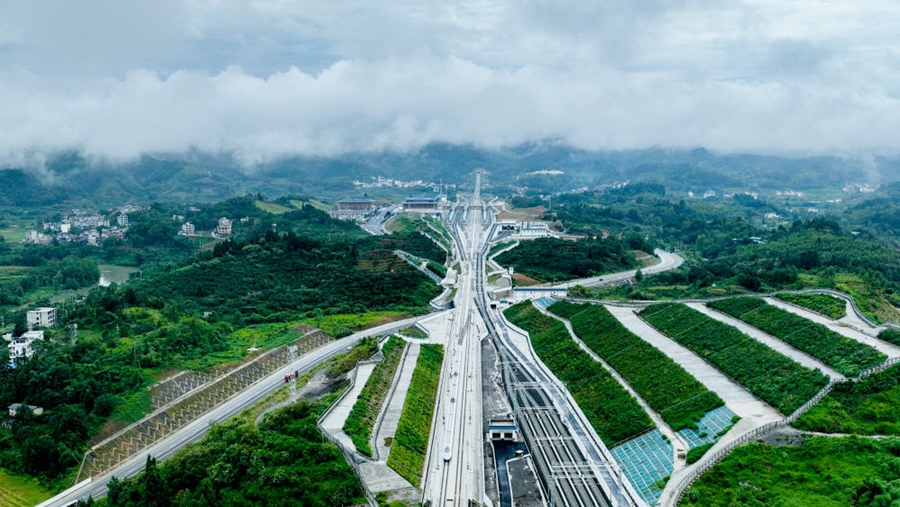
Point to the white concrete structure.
(20, 348)
(42, 317)
(15, 407)
(224, 227)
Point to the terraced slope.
(846, 355)
(613, 413)
(776, 379)
(670, 390)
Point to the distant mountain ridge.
(202, 177)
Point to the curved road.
(96, 487)
(668, 261)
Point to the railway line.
(571, 470)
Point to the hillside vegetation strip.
(670, 390)
(846, 355)
(823, 304)
(410, 442)
(867, 407)
(239, 463)
(821, 471)
(890, 335)
(776, 379)
(552, 259)
(361, 420)
(611, 410)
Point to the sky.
(264, 79)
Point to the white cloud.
(273, 77)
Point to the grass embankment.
(361, 421)
(403, 223)
(846, 355)
(776, 379)
(823, 304)
(867, 407)
(499, 246)
(613, 413)
(413, 332)
(670, 390)
(271, 207)
(890, 335)
(436, 268)
(821, 472)
(869, 299)
(410, 443)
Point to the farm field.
(613, 413)
(18, 491)
(410, 443)
(671, 391)
(773, 377)
(846, 355)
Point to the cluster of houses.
(79, 226)
(381, 181)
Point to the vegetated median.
(670, 390)
(846, 355)
(612, 411)
(823, 304)
(410, 442)
(867, 407)
(776, 379)
(363, 415)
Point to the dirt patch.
(522, 214)
(784, 437)
(525, 281)
(109, 429)
(321, 384)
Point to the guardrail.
(830, 292)
(351, 456)
(712, 460)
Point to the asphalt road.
(233, 406)
(668, 261)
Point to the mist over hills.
(202, 177)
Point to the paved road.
(375, 225)
(233, 406)
(668, 261)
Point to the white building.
(187, 229)
(122, 220)
(224, 227)
(20, 348)
(42, 317)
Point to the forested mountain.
(188, 308)
(202, 177)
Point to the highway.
(454, 470)
(668, 261)
(233, 406)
